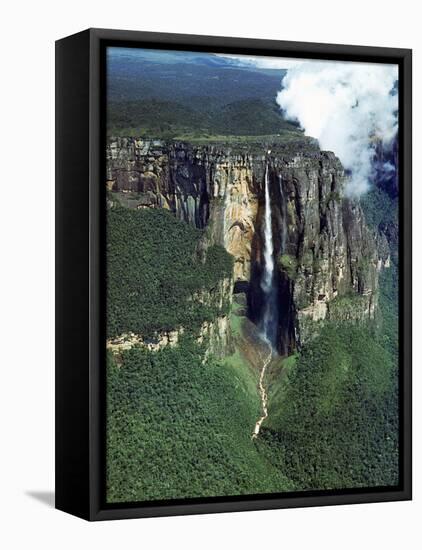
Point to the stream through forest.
(263, 393)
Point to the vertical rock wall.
(324, 249)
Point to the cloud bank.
(348, 107)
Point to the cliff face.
(325, 253)
(206, 187)
(329, 251)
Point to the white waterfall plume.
(283, 217)
(269, 318)
(348, 107)
(268, 240)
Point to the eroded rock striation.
(327, 258)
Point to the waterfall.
(283, 217)
(267, 279)
(269, 318)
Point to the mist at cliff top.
(347, 107)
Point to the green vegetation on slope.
(179, 428)
(379, 208)
(389, 322)
(288, 264)
(153, 271)
(335, 424)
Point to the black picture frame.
(80, 313)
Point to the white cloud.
(346, 106)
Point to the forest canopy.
(153, 272)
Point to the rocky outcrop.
(214, 334)
(129, 340)
(207, 187)
(329, 251)
(322, 245)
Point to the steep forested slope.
(180, 428)
(154, 271)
